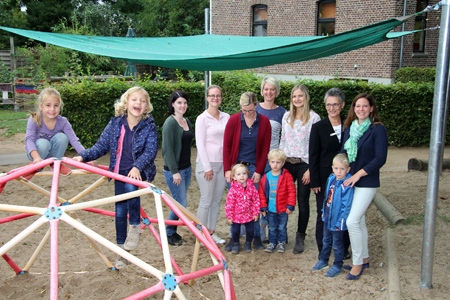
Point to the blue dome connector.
(53, 213)
(169, 282)
(156, 190)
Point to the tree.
(42, 15)
(172, 18)
(10, 16)
(95, 18)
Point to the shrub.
(412, 74)
(405, 108)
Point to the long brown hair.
(373, 117)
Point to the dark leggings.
(303, 193)
(236, 230)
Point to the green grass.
(420, 219)
(12, 122)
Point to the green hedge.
(413, 74)
(89, 105)
(405, 108)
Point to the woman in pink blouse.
(209, 131)
(295, 130)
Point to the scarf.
(356, 131)
(119, 149)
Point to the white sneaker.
(120, 261)
(132, 240)
(218, 239)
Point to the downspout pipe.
(402, 40)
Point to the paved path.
(13, 159)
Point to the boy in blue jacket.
(336, 207)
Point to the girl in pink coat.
(242, 207)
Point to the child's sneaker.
(63, 169)
(333, 271)
(175, 239)
(248, 247)
(320, 265)
(281, 248)
(132, 240)
(229, 246)
(235, 249)
(270, 248)
(120, 261)
(30, 175)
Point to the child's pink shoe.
(64, 170)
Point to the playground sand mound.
(256, 275)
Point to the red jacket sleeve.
(263, 143)
(262, 194)
(290, 187)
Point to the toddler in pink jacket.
(242, 207)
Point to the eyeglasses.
(215, 96)
(333, 105)
(248, 111)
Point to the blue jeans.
(332, 240)
(123, 208)
(56, 147)
(179, 193)
(277, 227)
(263, 222)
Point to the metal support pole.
(436, 148)
(207, 78)
(12, 51)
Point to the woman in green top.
(177, 136)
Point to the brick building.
(376, 63)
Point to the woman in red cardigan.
(247, 141)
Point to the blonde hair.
(120, 107)
(342, 158)
(293, 110)
(237, 166)
(44, 94)
(272, 81)
(277, 154)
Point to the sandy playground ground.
(256, 275)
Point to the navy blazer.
(371, 155)
(323, 147)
